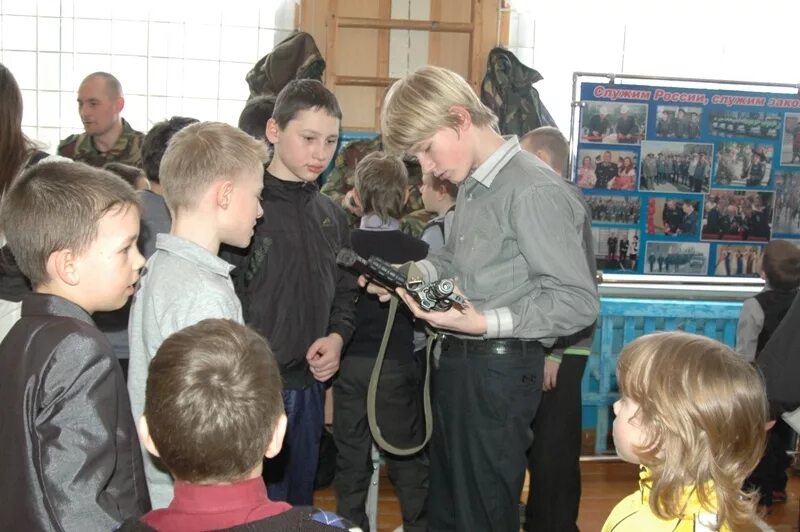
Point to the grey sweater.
(182, 284)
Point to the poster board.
(687, 181)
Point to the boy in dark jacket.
(71, 458)
(381, 184)
(291, 289)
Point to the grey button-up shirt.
(182, 284)
(516, 249)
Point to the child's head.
(135, 177)
(216, 171)
(213, 406)
(72, 230)
(549, 145)
(381, 184)
(304, 130)
(254, 116)
(428, 115)
(781, 265)
(155, 144)
(437, 195)
(693, 411)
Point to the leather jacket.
(71, 457)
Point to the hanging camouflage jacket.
(295, 57)
(508, 90)
(340, 181)
(127, 150)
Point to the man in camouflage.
(339, 185)
(107, 136)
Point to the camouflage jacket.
(127, 150)
(295, 57)
(340, 181)
(507, 89)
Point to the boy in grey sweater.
(211, 176)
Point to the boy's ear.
(62, 265)
(276, 443)
(144, 437)
(357, 199)
(224, 194)
(272, 131)
(408, 194)
(464, 118)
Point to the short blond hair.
(417, 106)
(202, 153)
(702, 411)
(550, 140)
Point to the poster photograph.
(616, 249)
(706, 175)
(607, 169)
(677, 258)
(737, 260)
(743, 164)
(745, 124)
(737, 215)
(613, 123)
(787, 203)
(622, 210)
(790, 148)
(675, 166)
(675, 122)
(674, 216)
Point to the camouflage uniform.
(295, 57)
(127, 150)
(507, 89)
(340, 181)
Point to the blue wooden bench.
(622, 320)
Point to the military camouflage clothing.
(127, 150)
(340, 181)
(507, 89)
(295, 57)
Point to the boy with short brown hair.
(71, 459)
(760, 317)
(292, 290)
(381, 185)
(212, 411)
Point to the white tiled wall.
(173, 57)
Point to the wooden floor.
(604, 484)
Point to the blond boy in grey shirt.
(211, 176)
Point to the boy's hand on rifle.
(383, 294)
(324, 355)
(464, 319)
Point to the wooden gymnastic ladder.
(384, 23)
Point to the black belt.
(500, 346)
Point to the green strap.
(372, 391)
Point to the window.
(172, 57)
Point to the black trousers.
(554, 459)
(770, 473)
(484, 404)
(399, 414)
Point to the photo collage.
(694, 188)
